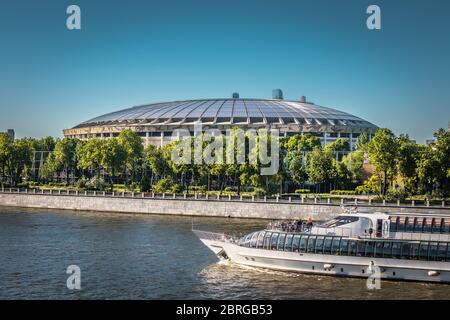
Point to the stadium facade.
(156, 122)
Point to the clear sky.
(136, 52)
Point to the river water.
(124, 256)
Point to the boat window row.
(304, 243)
(419, 224)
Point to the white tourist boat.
(398, 247)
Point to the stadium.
(155, 122)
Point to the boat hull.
(333, 265)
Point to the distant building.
(430, 141)
(156, 122)
(277, 94)
(11, 134)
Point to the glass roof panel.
(238, 108)
(201, 108)
(212, 109)
(253, 109)
(149, 112)
(227, 109)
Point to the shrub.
(176, 188)
(197, 188)
(27, 184)
(81, 183)
(369, 186)
(394, 195)
(163, 185)
(134, 186)
(259, 192)
(230, 189)
(343, 192)
(300, 191)
(145, 184)
(96, 184)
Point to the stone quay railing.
(205, 197)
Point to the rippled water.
(125, 256)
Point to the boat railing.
(336, 231)
(420, 236)
(212, 236)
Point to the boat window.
(448, 253)
(338, 221)
(409, 224)
(393, 223)
(396, 249)
(401, 224)
(274, 241)
(418, 224)
(259, 242)
(379, 249)
(423, 251)
(281, 239)
(288, 242)
(432, 251)
(447, 225)
(442, 228)
(245, 242)
(352, 244)
(254, 240)
(427, 225)
(442, 251)
(319, 245)
(370, 248)
(327, 245)
(436, 225)
(267, 240)
(343, 248)
(361, 248)
(295, 243)
(406, 250)
(335, 248)
(303, 242)
(311, 244)
(414, 251)
(387, 249)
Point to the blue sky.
(136, 52)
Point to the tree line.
(400, 166)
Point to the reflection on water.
(152, 257)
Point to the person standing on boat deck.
(309, 224)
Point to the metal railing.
(420, 236)
(356, 202)
(212, 236)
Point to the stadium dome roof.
(230, 111)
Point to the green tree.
(434, 165)
(90, 155)
(62, 158)
(113, 158)
(409, 154)
(18, 160)
(132, 144)
(297, 147)
(337, 145)
(383, 153)
(5, 154)
(354, 162)
(320, 166)
(362, 142)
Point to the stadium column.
(351, 141)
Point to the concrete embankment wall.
(212, 208)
